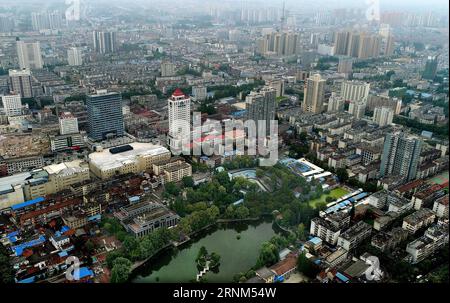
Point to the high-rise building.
(104, 42)
(278, 85)
(6, 24)
(105, 119)
(20, 83)
(357, 45)
(357, 109)
(383, 115)
(29, 54)
(199, 93)
(335, 103)
(374, 101)
(345, 65)
(314, 94)
(74, 56)
(168, 69)
(355, 90)
(279, 44)
(40, 21)
(68, 123)
(12, 105)
(179, 107)
(261, 106)
(430, 68)
(400, 156)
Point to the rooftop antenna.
(283, 17)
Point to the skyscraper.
(400, 156)
(104, 42)
(430, 68)
(383, 115)
(314, 94)
(355, 90)
(261, 106)
(105, 119)
(20, 83)
(29, 54)
(179, 107)
(6, 24)
(12, 105)
(74, 56)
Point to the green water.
(178, 265)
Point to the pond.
(237, 255)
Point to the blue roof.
(18, 249)
(97, 217)
(134, 199)
(27, 203)
(316, 240)
(85, 272)
(63, 254)
(64, 229)
(342, 277)
(28, 280)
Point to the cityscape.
(234, 141)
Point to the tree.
(268, 255)
(301, 232)
(241, 212)
(121, 270)
(305, 266)
(172, 189)
(188, 181)
(342, 174)
(6, 269)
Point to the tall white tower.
(179, 108)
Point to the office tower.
(20, 83)
(278, 85)
(383, 115)
(314, 94)
(105, 119)
(168, 69)
(199, 93)
(74, 56)
(68, 123)
(29, 54)
(355, 90)
(357, 109)
(12, 105)
(400, 156)
(179, 108)
(262, 106)
(6, 24)
(345, 65)
(335, 103)
(104, 42)
(430, 68)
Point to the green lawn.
(335, 193)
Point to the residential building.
(75, 56)
(357, 109)
(383, 116)
(356, 91)
(314, 94)
(199, 93)
(68, 123)
(400, 155)
(168, 69)
(440, 207)
(430, 70)
(335, 103)
(354, 235)
(29, 54)
(345, 65)
(421, 218)
(20, 83)
(434, 238)
(104, 42)
(261, 106)
(12, 105)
